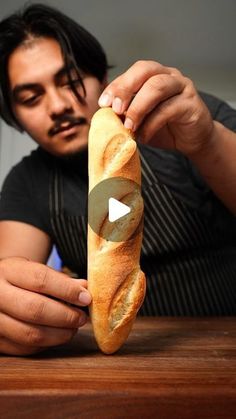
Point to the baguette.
(115, 280)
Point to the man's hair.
(79, 48)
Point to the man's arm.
(23, 240)
(217, 164)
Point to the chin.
(70, 149)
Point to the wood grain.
(168, 368)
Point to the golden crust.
(115, 281)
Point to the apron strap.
(70, 231)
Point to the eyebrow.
(34, 86)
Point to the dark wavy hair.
(79, 48)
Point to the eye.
(30, 101)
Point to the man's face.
(43, 101)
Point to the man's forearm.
(217, 164)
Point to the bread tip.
(108, 112)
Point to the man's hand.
(162, 106)
(34, 313)
(164, 110)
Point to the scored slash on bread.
(115, 280)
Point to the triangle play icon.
(116, 209)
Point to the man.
(53, 78)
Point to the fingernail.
(129, 124)
(82, 319)
(117, 105)
(84, 298)
(104, 100)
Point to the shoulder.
(30, 174)
(24, 195)
(35, 162)
(30, 165)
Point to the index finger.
(120, 91)
(40, 278)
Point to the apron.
(187, 274)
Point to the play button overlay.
(115, 209)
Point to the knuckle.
(2, 271)
(189, 87)
(133, 113)
(34, 336)
(71, 293)
(150, 63)
(10, 265)
(158, 82)
(36, 309)
(140, 63)
(121, 89)
(113, 85)
(174, 71)
(41, 278)
(72, 318)
(4, 264)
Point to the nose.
(58, 103)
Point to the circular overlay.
(109, 200)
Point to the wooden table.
(169, 368)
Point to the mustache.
(65, 122)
